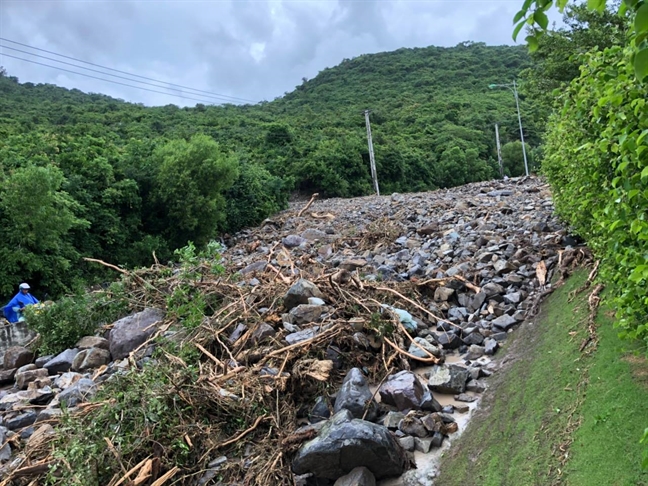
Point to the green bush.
(597, 163)
(62, 323)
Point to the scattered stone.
(437, 439)
(293, 241)
(297, 337)
(262, 332)
(5, 448)
(449, 340)
(412, 425)
(49, 414)
(423, 444)
(360, 476)
(443, 293)
(313, 234)
(345, 443)
(7, 376)
(23, 420)
(61, 362)
(320, 411)
(475, 386)
(132, 331)
(300, 292)
(408, 443)
(17, 356)
(66, 380)
(474, 352)
(490, 346)
(449, 379)
(355, 396)
(26, 377)
(88, 342)
(91, 358)
(419, 353)
(352, 264)
(41, 360)
(306, 313)
(464, 397)
(77, 393)
(404, 391)
(504, 322)
(254, 268)
(461, 408)
(392, 419)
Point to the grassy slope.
(550, 395)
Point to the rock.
(501, 192)
(474, 352)
(352, 264)
(419, 353)
(404, 391)
(7, 376)
(316, 301)
(473, 338)
(5, 448)
(320, 411)
(306, 313)
(238, 331)
(263, 331)
(423, 444)
(491, 289)
(293, 241)
(297, 337)
(442, 294)
(464, 397)
(254, 267)
(437, 440)
(413, 426)
(66, 380)
(360, 476)
(490, 346)
(23, 420)
(461, 408)
(345, 443)
(40, 361)
(49, 414)
(355, 396)
(502, 266)
(131, 332)
(91, 358)
(17, 356)
(407, 443)
(300, 292)
(449, 340)
(61, 362)
(88, 342)
(392, 419)
(313, 234)
(475, 386)
(26, 377)
(41, 396)
(513, 298)
(27, 367)
(77, 393)
(428, 229)
(449, 379)
(504, 323)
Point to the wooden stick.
(308, 205)
(131, 472)
(242, 434)
(168, 475)
(433, 359)
(114, 267)
(209, 355)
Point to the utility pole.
(517, 103)
(513, 87)
(372, 161)
(499, 151)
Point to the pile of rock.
(44, 386)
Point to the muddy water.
(13, 335)
(427, 464)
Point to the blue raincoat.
(19, 301)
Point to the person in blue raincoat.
(13, 310)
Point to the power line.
(108, 80)
(125, 72)
(95, 70)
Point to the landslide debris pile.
(325, 348)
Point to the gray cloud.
(243, 48)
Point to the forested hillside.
(88, 175)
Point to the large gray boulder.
(344, 444)
(448, 379)
(360, 476)
(62, 362)
(132, 331)
(300, 292)
(355, 396)
(405, 392)
(17, 356)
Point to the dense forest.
(86, 175)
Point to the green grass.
(553, 415)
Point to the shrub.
(62, 323)
(597, 163)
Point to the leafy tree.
(37, 217)
(191, 179)
(513, 159)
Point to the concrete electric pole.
(499, 152)
(372, 161)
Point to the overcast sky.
(256, 50)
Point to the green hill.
(121, 180)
